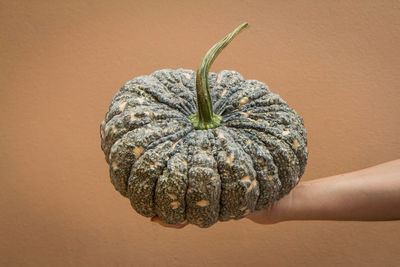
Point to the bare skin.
(371, 194)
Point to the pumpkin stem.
(205, 118)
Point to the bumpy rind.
(167, 168)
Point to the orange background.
(336, 62)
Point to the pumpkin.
(202, 147)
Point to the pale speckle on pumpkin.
(246, 179)
(132, 116)
(224, 92)
(230, 158)
(122, 106)
(172, 196)
(203, 203)
(244, 100)
(219, 78)
(140, 100)
(187, 75)
(138, 151)
(296, 144)
(175, 204)
(284, 133)
(252, 185)
(114, 165)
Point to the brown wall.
(336, 62)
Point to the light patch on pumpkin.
(122, 106)
(244, 100)
(138, 151)
(230, 158)
(174, 144)
(271, 176)
(219, 78)
(114, 165)
(102, 133)
(107, 129)
(172, 196)
(252, 185)
(284, 133)
(243, 208)
(151, 115)
(203, 203)
(175, 204)
(140, 100)
(132, 116)
(247, 142)
(187, 75)
(224, 92)
(246, 179)
(221, 135)
(296, 144)
(114, 129)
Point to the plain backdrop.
(336, 62)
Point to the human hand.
(275, 213)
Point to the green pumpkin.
(202, 147)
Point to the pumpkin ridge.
(170, 72)
(122, 157)
(237, 199)
(264, 181)
(288, 170)
(159, 96)
(127, 106)
(203, 181)
(238, 140)
(193, 102)
(110, 137)
(232, 89)
(128, 94)
(246, 88)
(214, 148)
(144, 204)
(166, 199)
(235, 81)
(265, 130)
(143, 85)
(154, 122)
(261, 129)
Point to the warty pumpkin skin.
(168, 168)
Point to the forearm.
(368, 194)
